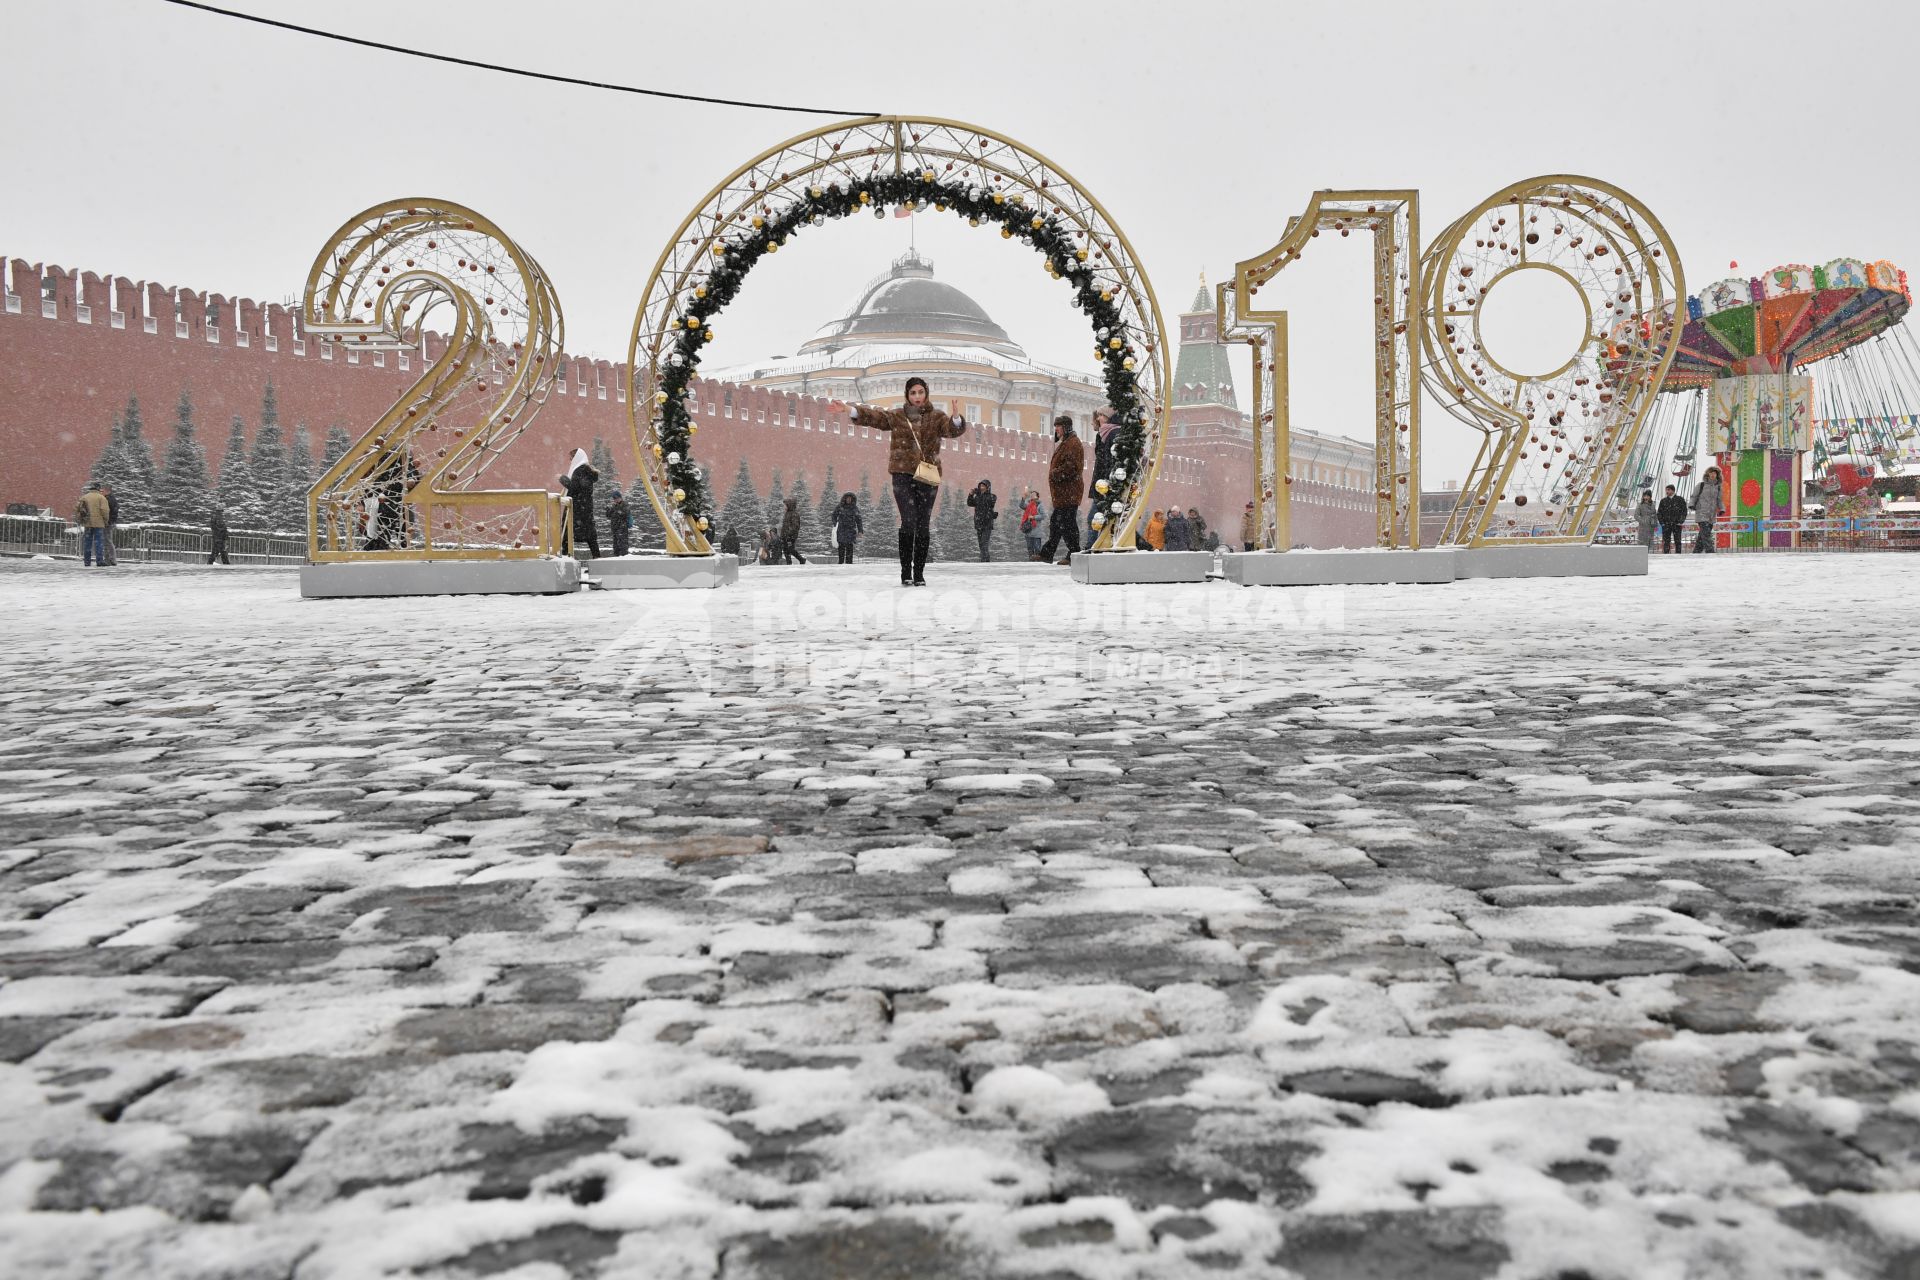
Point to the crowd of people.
(1669, 516)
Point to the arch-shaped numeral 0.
(863, 166)
(1392, 219)
(1558, 441)
(406, 489)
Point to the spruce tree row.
(264, 487)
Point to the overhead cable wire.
(512, 71)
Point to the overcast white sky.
(165, 143)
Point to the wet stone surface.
(1504, 929)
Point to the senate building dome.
(908, 304)
(907, 321)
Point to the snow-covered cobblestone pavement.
(814, 928)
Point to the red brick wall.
(62, 383)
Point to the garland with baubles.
(838, 198)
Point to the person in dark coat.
(1177, 532)
(730, 543)
(217, 528)
(619, 523)
(790, 531)
(847, 527)
(1104, 429)
(983, 500)
(1645, 517)
(1064, 479)
(1197, 531)
(1672, 513)
(915, 431)
(578, 482)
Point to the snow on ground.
(1530, 930)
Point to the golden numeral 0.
(406, 488)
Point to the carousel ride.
(1742, 392)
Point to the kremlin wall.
(74, 346)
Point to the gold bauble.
(702, 522)
(1006, 233)
(758, 222)
(701, 292)
(1127, 363)
(998, 198)
(659, 397)
(657, 451)
(1113, 344)
(1038, 222)
(679, 495)
(709, 335)
(1100, 486)
(866, 198)
(1106, 295)
(773, 247)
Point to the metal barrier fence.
(1874, 533)
(147, 543)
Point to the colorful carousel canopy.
(1785, 319)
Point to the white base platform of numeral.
(661, 572)
(1101, 568)
(1523, 561)
(545, 576)
(1430, 565)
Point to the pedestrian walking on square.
(1174, 538)
(730, 543)
(1196, 530)
(619, 523)
(1064, 486)
(578, 482)
(913, 461)
(847, 527)
(1645, 517)
(113, 524)
(217, 531)
(1030, 517)
(1156, 532)
(1707, 507)
(1672, 513)
(1246, 528)
(790, 532)
(983, 500)
(91, 516)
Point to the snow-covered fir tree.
(647, 533)
(602, 459)
(881, 518)
(269, 461)
(823, 509)
(127, 465)
(742, 511)
(300, 476)
(775, 506)
(811, 538)
(238, 495)
(953, 528)
(338, 442)
(182, 492)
